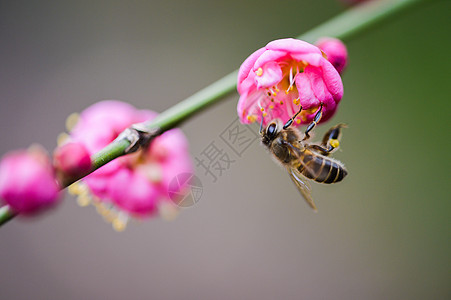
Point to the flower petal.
(247, 65)
(271, 75)
(292, 46)
(268, 56)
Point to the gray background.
(384, 233)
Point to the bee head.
(269, 133)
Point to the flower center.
(283, 92)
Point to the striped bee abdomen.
(321, 169)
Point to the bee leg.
(315, 121)
(321, 149)
(331, 139)
(290, 121)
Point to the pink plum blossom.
(72, 159)
(335, 51)
(136, 184)
(277, 79)
(27, 181)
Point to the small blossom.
(135, 185)
(72, 159)
(335, 51)
(27, 181)
(277, 79)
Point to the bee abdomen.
(322, 169)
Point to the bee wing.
(302, 185)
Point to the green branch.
(344, 26)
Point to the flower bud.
(72, 159)
(27, 181)
(335, 51)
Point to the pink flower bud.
(282, 76)
(27, 181)
(72, 159)
(335, 51)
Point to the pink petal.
(268, 56)
(332, 80)
(292, 46)
(306, 94)
(272, 74)
(133, 193)
(247, 65)
(313, 59)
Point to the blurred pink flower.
(335, 51)
(284, 74)
(134, 185)
(72, 159)
(27, 181)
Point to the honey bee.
(303, 160)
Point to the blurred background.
(383, 233)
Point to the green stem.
(6, 214)
(344, 26)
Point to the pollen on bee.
(334, 143)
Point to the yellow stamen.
(168, 211)
(102, 209)
(298, 121)
(265, 114)
(296, 101)
(271, 106)
(281, 102)
(251, 118)
(262, 109)
(74, 189)
(119, 225)
(71, 121)
(83, 200)
(259, 72)
(62, 138)
(110, 216)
